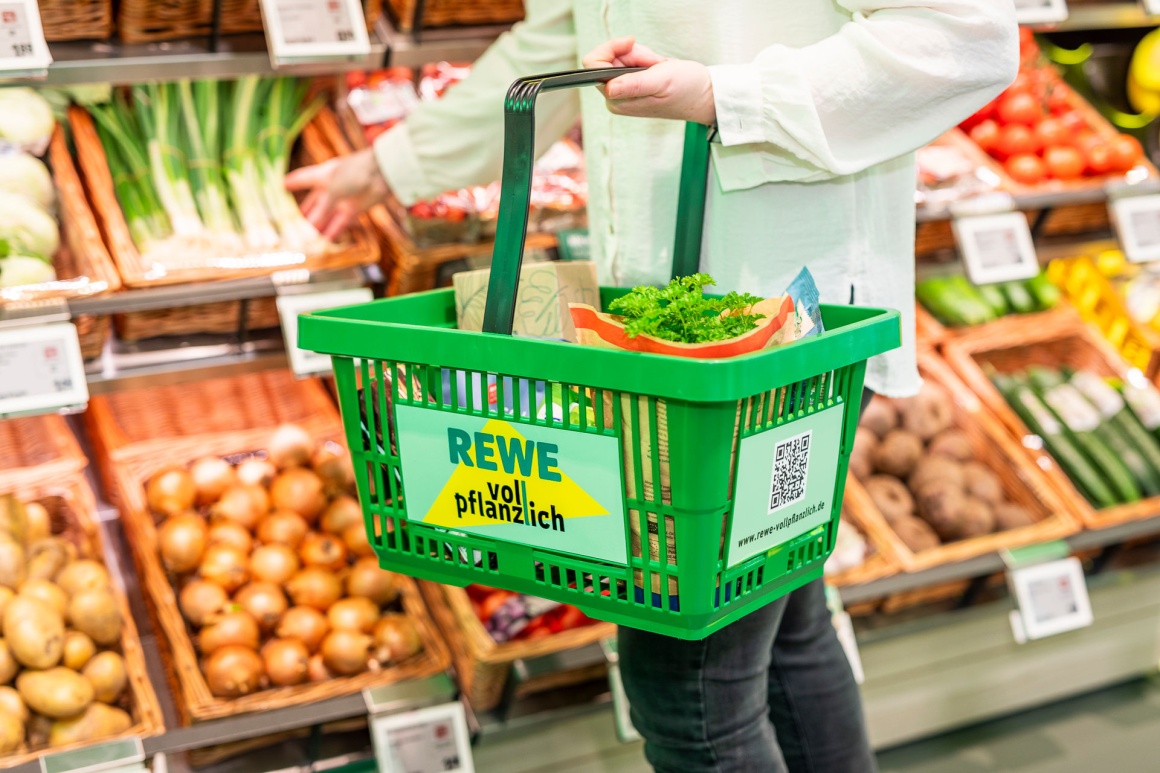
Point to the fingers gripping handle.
(516, 186)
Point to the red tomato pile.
(1033, 129)
(565, 617)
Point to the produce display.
(1037, 130)
(851, 549)
(273, 572)
(64, 678)
(29, 234)
(923, 475)
(954, 300)
(948, 169)
(509, 616)
(198, 167)
(1103, 435)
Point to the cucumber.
(1018, 297)
(1044, 291)
(953, 301)
(1041, 421)
(994, 298)
(1119, 416)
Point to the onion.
(256, 472)
(201, 601)
(332, 463)
(211, 477)
(290, 446)
(340, 514)
(170, 491)
(355, 538)
(244, 504)
(233, 671)
(346, 652)
(300, 490)
(396, 639)
(264, 601)
(39, 524)
(273, 563)
(369, 580)
(231, 533)
(305, 624)
(226, 566)
(316, 669)
(355, 614)
(286, 661)
(314, 587)
(232, 628)
(181, 541)
(323, 550)
(283, 527)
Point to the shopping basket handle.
(516, 186)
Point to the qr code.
(791, 462)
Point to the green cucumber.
(1044, 291)
(953, 301)
(1117, 413)
(1018, 297)
(994, 298)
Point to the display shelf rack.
(1103, 16)
(1026, 202)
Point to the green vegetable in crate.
(1044, 291)
(954, 300)
(994, 298)
(1116, 412)
(1019, 299)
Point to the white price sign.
(23, 52)
(303, 362)
(1151, 7)
(1052, 599)
(305, 30)
(432, 740)
(996, 247)
(41, 369)
(1040, 11)
(1137, 221)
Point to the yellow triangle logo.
(510, 489)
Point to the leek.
(241, 164)
(283, 121)
(158, 113)
(200, 112)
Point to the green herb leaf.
(681, 312)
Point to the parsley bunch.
(681, 312)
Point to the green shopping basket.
(669, 494)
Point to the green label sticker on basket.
(785, 483)
(550, 488)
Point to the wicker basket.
(142, 21)
(1062, 343)
(72, 508)
(446, 13)
(216, 318)
(483, 666)
(928, 330)
(37, 449)
(76, 19)
(880, 563)
(1023, 483)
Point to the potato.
(46, 591)
(8, 664)
(975, 519)
(1009, 515)
(941, 506)
(39, 522)
(83, 575)
(95, 613)
(862, 455)
(11, 732)
(34, 632)
(13, 518)
(6, 595)
(106, 672)
(78, 650)
(898, 453)
(12, 567)
(890, 497)
(97, 721)
(58, 692)
(933, 469)
(12, 703)
(982, 483)
(916, 534)
(953, 444)
(927, 413)
(880, 416)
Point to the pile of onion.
(272, 568)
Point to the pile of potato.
(63, 677)
(923, 476)
(273, 570)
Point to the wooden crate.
(76, 19)
(1062, 343)
(143, 21)
(445, 13)
(72, 508)
(880, 563)
(36, 449)
(1023, 482)
(484, 667)
(215, 318)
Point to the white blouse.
(820, 106)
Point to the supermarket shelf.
(991, 563)
(187, 365)
(1027, 202)
(1103, 16)
(454, 44)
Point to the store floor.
(1115, 731)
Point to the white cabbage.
(18, 270)
(26, 118)
(27, 176)
(26, 228)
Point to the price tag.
(1052, 599)
(42, 369)
(996, 247)
(431, 740)
(300, 31)
(23, 52)
(124, 756)
(303, 362)
(1151, 7)
(1040, 11)
(1137, 221)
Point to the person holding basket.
(816, 109)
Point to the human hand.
(670, 88)
(339, 190)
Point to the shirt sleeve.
(896, 76)
(457, 141)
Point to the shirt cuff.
(399, 164)
(737, 96)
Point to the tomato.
(1020, 108)
(492, 603)
(1057, 100)
(1025, 168)
(985, 113)
(1073, 121)
(986, 135)
(1124, 153)
(1064, 163)
(1015, 140)
(1024, 83)
(1051, 132)
(1097, 157)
